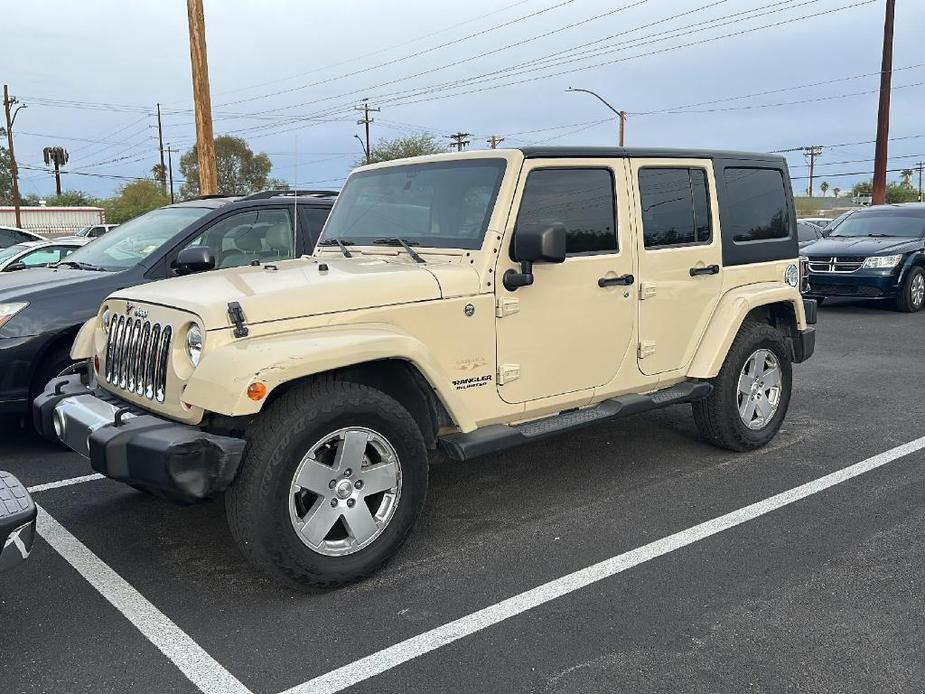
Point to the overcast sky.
(286, 74)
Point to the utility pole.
(160, 142)
(494, 141)
(202, 99)
(920, 166)
(366, 120)
(57, 157)
(14, 171)
(459, 139)
(170, 169)
(878, 196)
(620, 114)
(812, 152)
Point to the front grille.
(137, 354)
(847, 263)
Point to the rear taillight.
(804, 274)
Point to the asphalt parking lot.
(823, 593)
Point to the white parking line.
(377, 663)
(201, 668)
(64, 483)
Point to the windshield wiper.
(79, 265)
(341, 244)
(395, 241)
(878, 236)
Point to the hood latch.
(236, 314)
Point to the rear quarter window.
(757, 204)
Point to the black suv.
(874, 253)
(42, 309)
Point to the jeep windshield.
(884, 222)
(132, 242)
(444, 204)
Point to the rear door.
(680, 258)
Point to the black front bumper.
(179, 461)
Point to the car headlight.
(882, 262)
(194, 344)
(7, 311)
(792, 275)
(106, 318)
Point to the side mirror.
(14, 267)
(195, 259)
(535, 244)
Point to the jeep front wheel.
(333, 479)
(751, 393)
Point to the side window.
(757, 204)
(43, 256)
(582, 200)
(675, 206)
(239, 239)
(6, 238)
(805, 232)
(316, 216)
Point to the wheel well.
(780, 315)
(394, 377)
(59, 342)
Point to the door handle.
(622, 280)
(708, 270)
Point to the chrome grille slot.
(836, 263)
(138, 356)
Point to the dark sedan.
(875, 253)
(42, 309)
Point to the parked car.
(38, 253)
(808, 233)
(17, 522)
(41, 310)
(95, 231)
(874, 253)
(10, 236)
(472, 302)
(821, 222)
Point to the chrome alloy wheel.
(917, 290)
(759, 389)
(345, 491)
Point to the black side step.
(497, 437)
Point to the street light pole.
(620, 114)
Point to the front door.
(680, 259)
(571, 329)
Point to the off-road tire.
(257, 503)
(904, 300)
(717, 416)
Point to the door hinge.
(646, 349)
(646, 291)
(508, 373)
(506, 307)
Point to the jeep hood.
(861, 245)
(302, 287)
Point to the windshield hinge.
(507, 306)
(236, 314)
(508, 373)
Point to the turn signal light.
(256, 391)
(96, 363)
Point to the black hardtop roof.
(538, 152)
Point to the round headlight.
(194, 344)
(792, 275)
(106, 318)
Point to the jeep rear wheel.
(333, 479)
(751, 393)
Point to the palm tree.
(836, 191)
(824, 187)
(906, 176)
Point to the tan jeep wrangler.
(468, 303)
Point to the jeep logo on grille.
(132, 310)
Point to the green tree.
(239, 170)
(905, 177)
(72, 198)
(900, 192)
(862, 188)
(836, 191)
(134, 199)
(401, 147)
(824, 187)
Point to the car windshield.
(906, 223)
(7, 253)
(82, 232)
(443, 204)
(134, 241)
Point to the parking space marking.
(388, 658)
(64, 483)
(192, 660)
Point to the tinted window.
(316, 217)
(440, 204)
(8, 237)
(806, 232)
(579, 199)
(908, 222)
(757, 204)
(675, 206)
